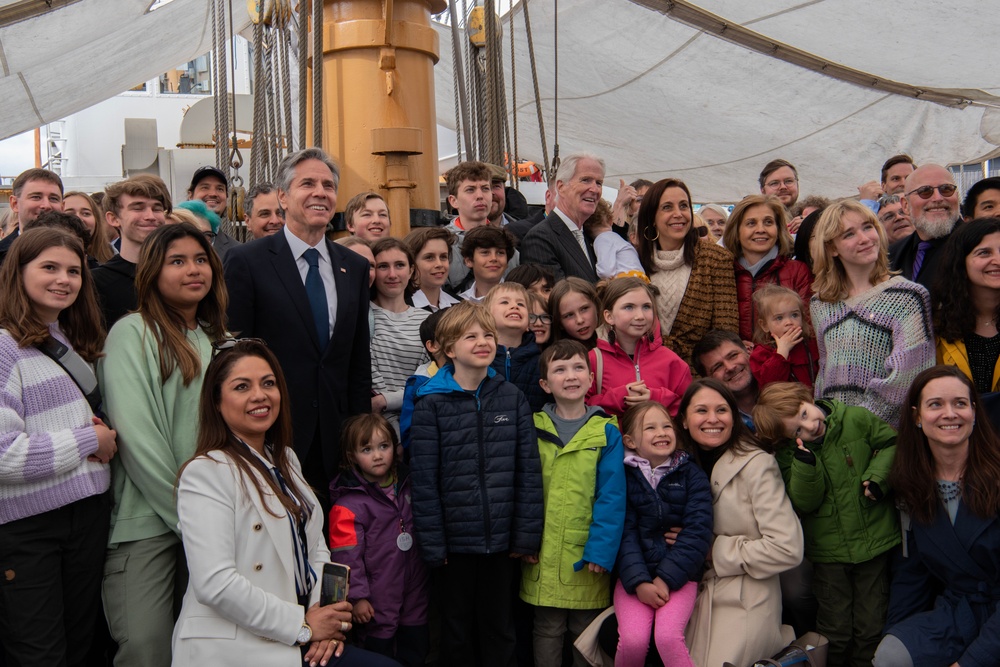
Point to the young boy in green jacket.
(583, 478)
(835, 460)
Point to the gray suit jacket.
(551, 244)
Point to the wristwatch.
(305, 634)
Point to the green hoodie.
(841, 525)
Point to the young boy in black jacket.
(477, 489)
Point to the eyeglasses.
(225, 344)
(890, 216)
(927, 191)
(788, 182)
(210, 236)
(535, 319)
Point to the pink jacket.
(666, 375)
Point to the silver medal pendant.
(404, 541)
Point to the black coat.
(328, 383)
(519, 366)
(114, 282)
(904, 251)
(475, 472)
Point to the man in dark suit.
(931, 199)
(308, 299)
(558, 242)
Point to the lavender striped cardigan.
(873, 345)
(46, 435)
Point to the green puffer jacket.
(840, 523)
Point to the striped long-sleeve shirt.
(396, 351)
(46, 435)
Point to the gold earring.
(645, 234)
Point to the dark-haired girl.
(151, 375)
(396, 347)
(966, 303)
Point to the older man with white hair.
(558, 242)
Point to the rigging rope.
(216, 103)
(303, 34)
(317, 72)
(457, 79)
(258, 100)
(555, 118)
(512, 159)
(283, 37)
(534, 81)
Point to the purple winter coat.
(364, 527)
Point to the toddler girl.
(785, 349)
(371, 530)
(658, 582)
(632, 365)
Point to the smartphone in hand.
(336, 581)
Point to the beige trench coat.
(737, 616)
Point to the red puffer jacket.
(783, 271)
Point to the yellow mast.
(379, 118)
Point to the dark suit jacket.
(904, 251)
(224, 243)
(551, 244)
(520, 228)
(326, 383)
(6, 242)
(114, 282)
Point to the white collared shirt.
(470, 294)
(576, 231)
(298, 248)
(445, 300)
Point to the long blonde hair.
(831, 283)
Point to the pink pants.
(636, 619)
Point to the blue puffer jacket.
(519, 365)
(475, 471)
(682, 498)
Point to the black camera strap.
(76, 368)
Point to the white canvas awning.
(656, 96)
(83, 52)
(652, 92)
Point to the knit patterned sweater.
(46, 435)
(709, 300)
(873, 345)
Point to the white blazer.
(240, 606)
